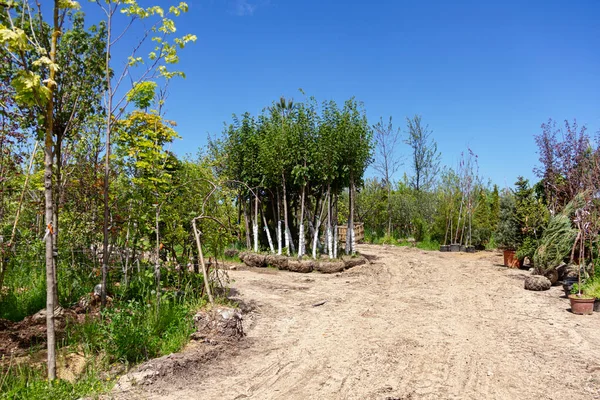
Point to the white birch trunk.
(301, 241)
(335, 242)
(316, 240)
(329, 241)
(255, 234)
(268, 235)
(279, 237)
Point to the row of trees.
(289, 166)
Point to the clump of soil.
(253, 259)
(218, 324)
(16, 338)
(277, 261)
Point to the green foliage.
(142, 94)
(508, 235)
(29, 383)
(592, 287)
(26, 289)
(558, 238)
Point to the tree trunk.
(157, 262)
(109, 121)
(459, 216)
(268, 235)
(49, 206)
(279, 235)
(301, 238)
(389, 209)
(289, 244)
(201, 257)
(350, 230)
(247, 223)
(318, 227)
(329, 232)
(255, 224)
(335, 230)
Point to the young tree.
(425, 157)
(386, 160)
(153, 66)
(35, 86)
(358, 149)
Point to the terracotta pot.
(581, 305)
(511, 260)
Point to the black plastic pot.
(463, 248)
(597, 305)
(568, 285)
(444, 247)
(455, 248)
(470, 249)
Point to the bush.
(420, 229)
(507, 235)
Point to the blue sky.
(483, 74)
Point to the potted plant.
(507, 235)
(581, 303)
(592, 288)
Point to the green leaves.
(69, 5)
(142, 94)
(29, 89)
(15, 39)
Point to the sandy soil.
(410, 325)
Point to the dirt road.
(410, 325)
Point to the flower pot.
(581, 305)
(444, 248)
(454, 247)
(511, 260)
(463, 248)
(470, 249)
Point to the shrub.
(507, 235)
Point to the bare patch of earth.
(409, 325)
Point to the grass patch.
(30, 383)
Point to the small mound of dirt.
(218, 323)
(330, 267)
(353, 261)
(17, 337)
